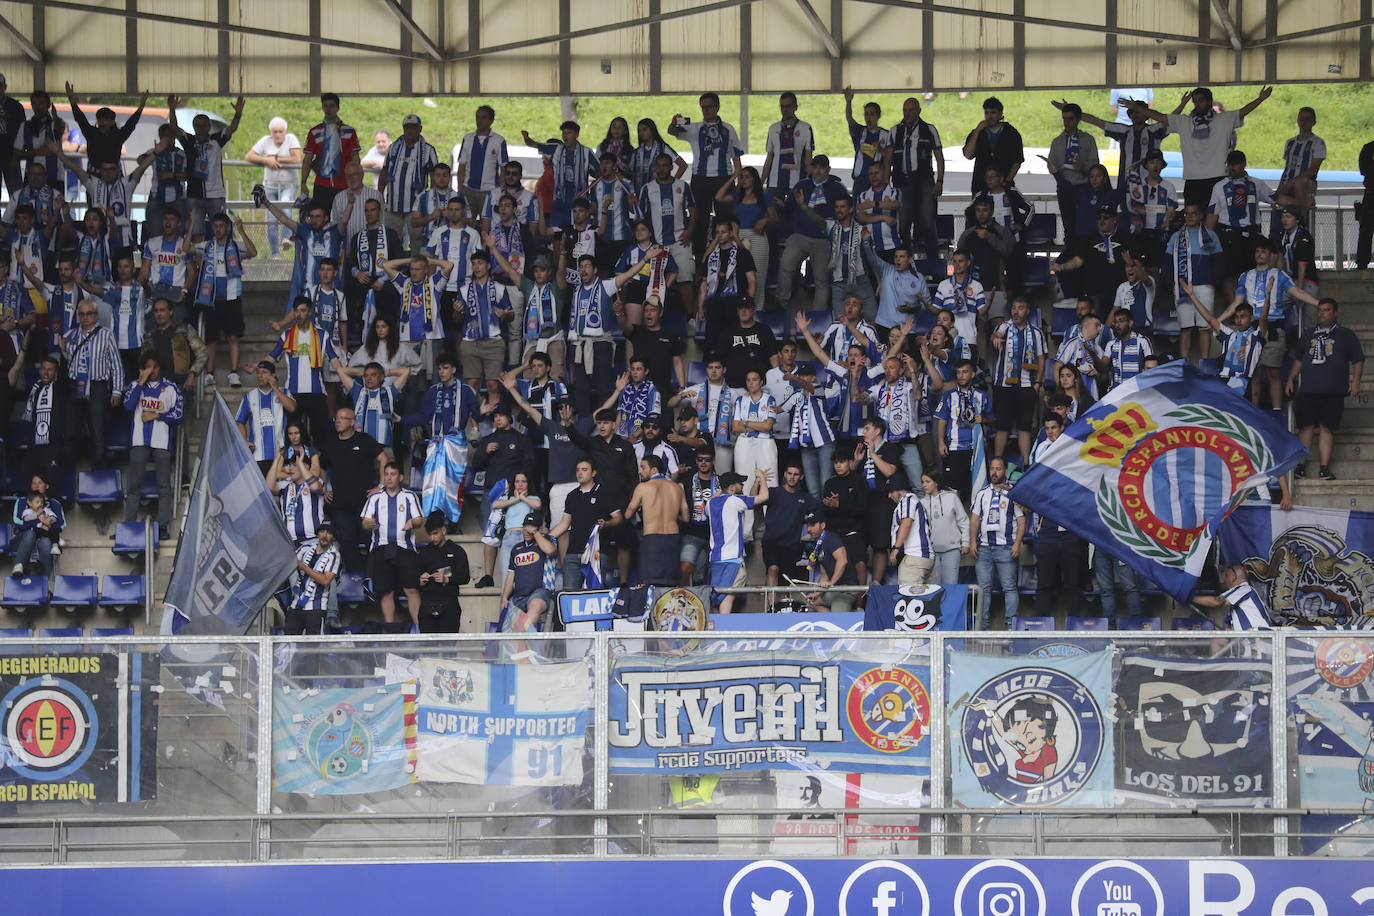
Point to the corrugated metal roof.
(548, 47)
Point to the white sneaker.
(234, 380)
(208, 379)
(18, 570)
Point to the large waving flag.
(591, 560)
(978, 467)
(1149, 472)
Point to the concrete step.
(1348, 287)
(1334, 494)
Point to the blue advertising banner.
(502, 724)
(766, 711)
(732, 887)
(1028, 733)
(914, 608)
(1305, 562)
(342, 741)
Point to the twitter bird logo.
(776, 905)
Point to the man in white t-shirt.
(1204, 137)
(279, 154)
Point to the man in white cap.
(279, 154)
(404, 175)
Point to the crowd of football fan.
(458, 323)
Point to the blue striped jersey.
(665, 205)
(118, 196)
(420, 317)
(329, 308)
(1298, 153)
(1235, 201)
(959, 408)
(885, 235)
(167, 261)
(1247, 609)
(714, 147)
(1240, 355)
(962, 299)
(787, 144)
(1127, 356)
(1079, 354)
(527, 207)
(127, 307)
(62, 303)
(301, 509)
(612, 209)
(167, 190)
(1254, 283)
(227, 288)
(846, 253)
(93, 357)
(1192, 252)
(262, 415)
(809, 426)
(480, 302)
(302, 376)
(456, 244)
(432, 202)
(310, 595)
(1139, 300)
(917, 543)
(997, 516)
(1149, 204)
(1018, 363)
(895, 403)
(847, 413)
(573, 168)
(162, 398)
(748, 410)
(642, 161)
(31, 244)
(483, 157)
(407, 171)
(590, 307)
(541, 398)
(869, 144)
(839, 337)
(374, 408)
(725, 513)
(390, 511)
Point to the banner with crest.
(1149, 472)
(1306, 563)
(1331, 699)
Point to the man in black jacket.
(443, 567)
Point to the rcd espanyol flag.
(234, 549)
(1149, 472)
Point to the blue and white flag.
(1305, 562)
(343, 741)
(914, 608)
(978, 466)
(446, 464)
(234, 549)
(502, 724)
(1331, 699)
(1031, 732)
(1149, 472)
(591, 561)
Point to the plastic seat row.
(73, 592)
(1104, 623)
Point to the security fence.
(743, 744)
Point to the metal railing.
(217, 799)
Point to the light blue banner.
(341, 741)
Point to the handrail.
(149, 565)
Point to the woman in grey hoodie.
(948, 527)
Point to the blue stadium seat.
(350, 590)
(779, 322)
(1035, 273)
(1193, 623)
(72, 592)
(122, 591)
(1061, 320)
(1138, 623)
(20, 434)
(1027, 579)
(1087, 623)
(6, 534)
(1033, 623)
(1042, 230)
(696, 372)
(26, 591)
(1208, 367)
(130, 538)
(112, 631)
(14, 484)
(118, 437)
(16, 633)
(1165, 321)
(820, 321)
(935, 269)
(97, 487)
(944, 228)
(59, 633)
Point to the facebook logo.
(884, 888)
(886, 898)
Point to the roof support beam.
(29, 48)
(1047, 23)
(832, 47)
(1228, 25)
(597, 30)
(1314, 33)
(411, 26)
(132, 14)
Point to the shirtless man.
(664, 505)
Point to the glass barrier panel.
(413, 748)
(128, 750)
(746, 744)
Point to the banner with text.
(766, 711)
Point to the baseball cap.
(730, 478)
(534, 518)
(813, 517)
(410, 120)
(898, 481)
(1107, 211)
(653, 419)
(542, 262)
(502, 408)
(268, 365)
